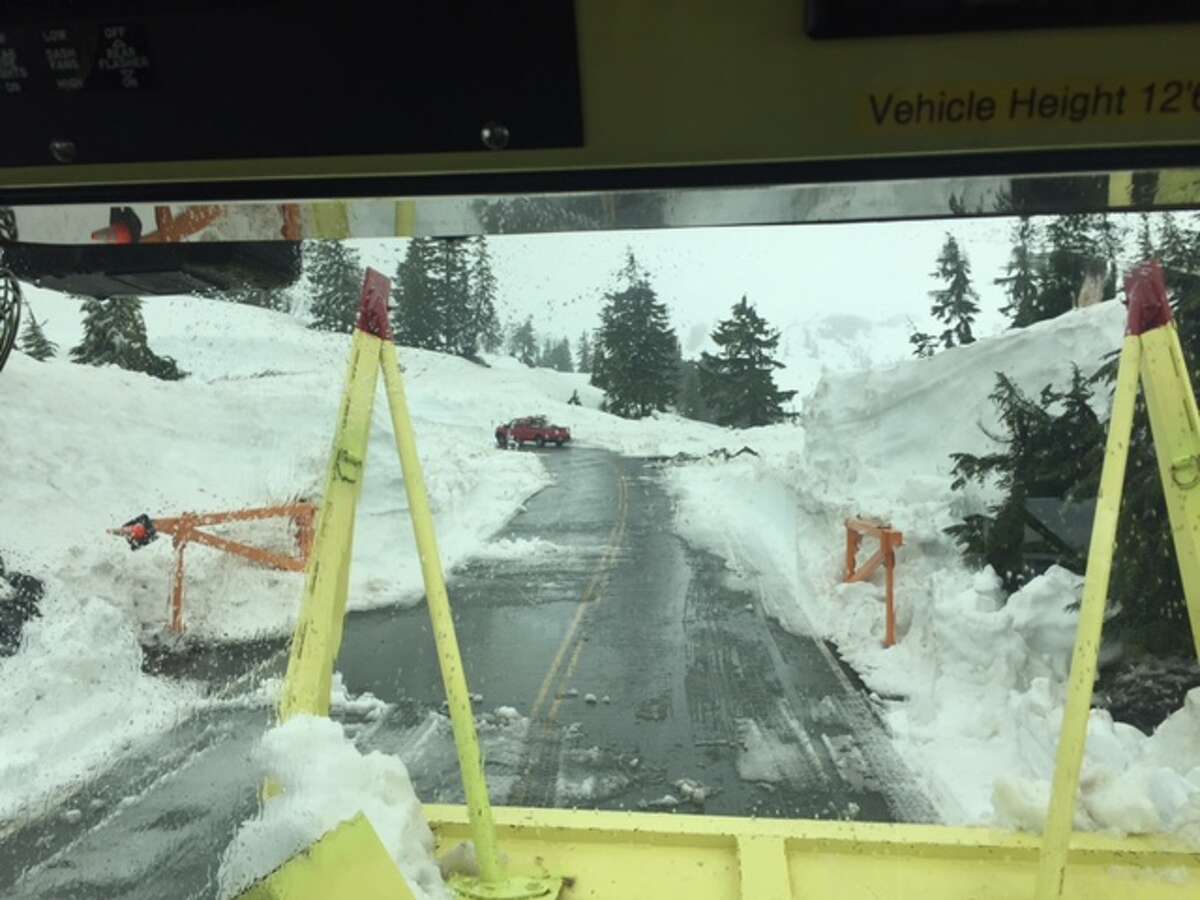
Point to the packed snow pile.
(325, 781)
(75, 697)
(973, 691)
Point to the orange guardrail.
(889, 540)
(186, 529)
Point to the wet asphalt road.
(701, 704)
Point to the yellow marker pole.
(319, 628)
(462, 717)
(1175, 425)
(1069, 761)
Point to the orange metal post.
(853, 542)
(180, 543)
(889, 540)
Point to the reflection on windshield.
(642, 448)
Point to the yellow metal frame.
(318, 634)
(652, 856)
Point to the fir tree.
(924, 343)
(452, 290)
(690, 401)
(34, 341)
(1047, 450)
(955, 305)
(335, 278)
(634, 353)
(584, 351)
(486, 321)
(559, 357)
(1021, 279)
(1078, 244)
(416, 317)
(523, 343)
(115, 334)
(1145, 240)
(739, 382)
(265, 298)
(546, 354)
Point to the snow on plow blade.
(622, 856)
(348, 862)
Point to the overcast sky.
(791, 273)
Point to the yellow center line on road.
(591, 592)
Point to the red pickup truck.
(531, 429)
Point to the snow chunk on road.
(763, 757)
(326, 781)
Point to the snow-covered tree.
(738, 382)
(34, 341)
(114, 333)
(956, 304)
(336, 278)
(634, 359)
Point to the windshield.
(808, 543)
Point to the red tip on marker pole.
(1146, 296)
(373, 314)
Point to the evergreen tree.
(1047, 451)
(584, 352)
(560, 358)
(265, 298)
(34, 341)
(451, 280)
(1021, 278)
(1078, 244)
(486, 321)
(416, 317)
(1145, 241)
(924, 344)
(546, 354)
(114, 333)
(634, 352)
(955, 305)
(739, 382)
(335, 278)
(690, 401)
(523, 343)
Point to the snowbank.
(326, 781)
(75, 698)
(973, 691)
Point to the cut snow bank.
(326, 781)
(977, 681)
(75, 698)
